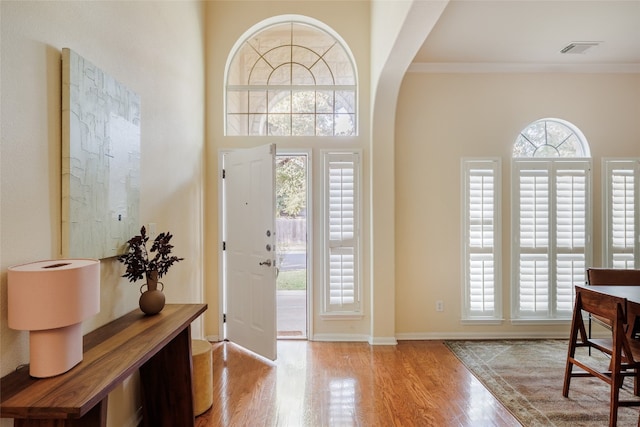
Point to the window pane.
(258, 101)
(303, 102)
(301, 76)
(257, 124)
(274, 36)
(311, 37)
(324, 125)
(344, 125)
(324, 101)
(345, 101)
(571, 147)
(241, 65)
(555, 133)
(304, 56)
(341, 65)
(279, 124)
(303, 124)
(237, 124)
(323, 74)
(279, 101)
(237, 101)
(281, 75)
(259, 74)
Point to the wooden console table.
(159, 345)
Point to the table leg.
(165, 382)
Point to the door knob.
(267, 263)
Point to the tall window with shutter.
(621, 193)
(551, 221)
(481, 235)
(342, 233)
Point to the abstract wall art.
(100, 161)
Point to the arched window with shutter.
(551, 219)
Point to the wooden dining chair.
(610, 276)
(624, 353)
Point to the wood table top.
(111, 354)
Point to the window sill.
(533, 321)
(341, 316)
(481, 321)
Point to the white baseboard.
(480, 336)
(383, 341)
(340, 338)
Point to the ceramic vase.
(152, 300)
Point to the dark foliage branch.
(138, 261)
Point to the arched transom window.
(551, 138)
(291, 78)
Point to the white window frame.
(353, 309)
(254, 113)
(550, 166)
(490, 302)
(631, 168)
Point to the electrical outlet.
(439, 305)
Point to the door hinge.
(224, 173)
(224, 246)
(224, 317)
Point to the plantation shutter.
(552, 244)
(621, 195)
(571, 232)
(533, 232)
(481, 235)
(342, 232)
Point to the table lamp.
(50, 299)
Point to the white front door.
(249, 236)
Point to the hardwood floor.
(416, 383)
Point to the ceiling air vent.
(578, 47)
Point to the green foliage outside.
(290, 185)
(294, 280)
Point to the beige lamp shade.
(51, 299)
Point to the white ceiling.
(513, 34)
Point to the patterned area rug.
(527, 377)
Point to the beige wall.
(444, 117)
(155, 49)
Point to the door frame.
(311, 190)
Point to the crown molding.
(494, 67)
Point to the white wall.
(444, 117)
(156, 49)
